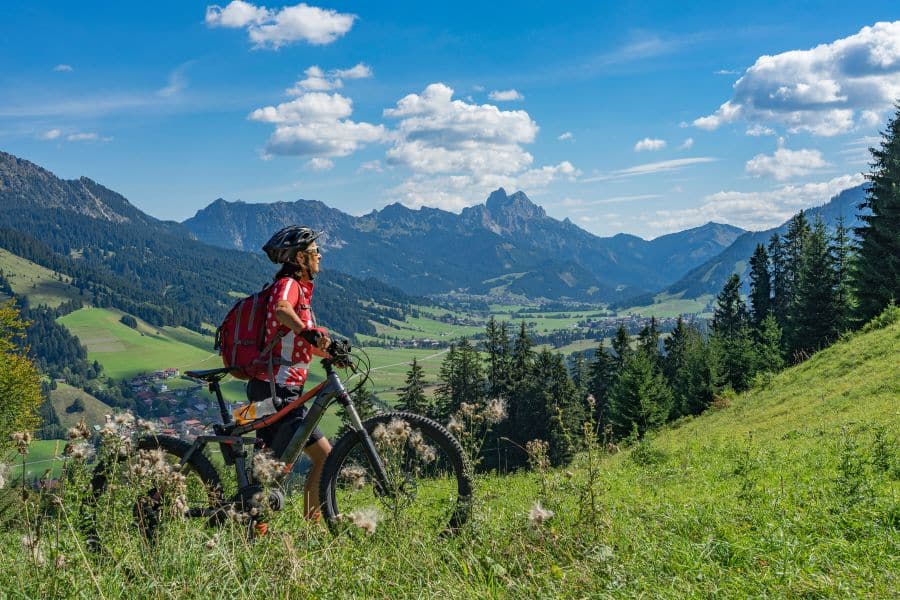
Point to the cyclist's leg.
(317, 450)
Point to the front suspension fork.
(381, 477)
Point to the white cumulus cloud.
(651, 144)
(505, 95)
(687, 144)
(63, 68)
(460, 151)
(273, 28)
(755, 210)
(319, 164)
(785, 164)
(826, 90)
(51, 134)
(359, 71)
(566, 136)
(317, 80)
(316, 124)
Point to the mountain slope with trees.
(429, 250)
(117, 256)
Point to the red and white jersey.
(295, 352)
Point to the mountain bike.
(405, 466)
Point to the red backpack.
(240, 337)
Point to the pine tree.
(462, 379)
(640, 397)
(730, 314)
(620, 345)
(413, 398)
(602, 375)
(698, 382)
(732, 336)
(561, 412)
(674, 363)
(840, 250)
(522, 355)
(768, 345)
(794, 244)
(812, 312)
(780, 296)
(497, 346)
(877, 268)
(648, 341)
(760, 285)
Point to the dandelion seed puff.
(538, 515)
(109, 430)
(467, 410)
(379, 433)
(212, 542)
(365, 518)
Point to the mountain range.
(121, 257)
(166, 271)
(508, 244)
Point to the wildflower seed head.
(379, 433)
(146, 426)
(60, 562)
(109, 430)
(124, 419)
(21, 439)
(266, 469)
(80, 432)
(355, 476)
(79, 450)
(212, 542)
(455, 426)
(538, 515)
(365, 518)
(467, 410)
(495, 411)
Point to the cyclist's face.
(315, 259)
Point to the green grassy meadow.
(790, 490)
(125, 352)
(41, 285)
(63, 397)
(665, 305)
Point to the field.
(788, 490)
(669, 306)
(125, 352)
(41, 285)
(63, 397)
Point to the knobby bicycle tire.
(442, 486)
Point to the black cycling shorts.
(277, 435)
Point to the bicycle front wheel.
(428, 487)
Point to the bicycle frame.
(232, 444)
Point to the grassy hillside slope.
(789, 490)
(41, 285)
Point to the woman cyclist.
(289, 314)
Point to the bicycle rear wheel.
(429, 485)
(149, 485)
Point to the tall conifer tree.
(780, 296)
(760, 286)
(812, 311)
(877, 272)
(413, 397)
(640, 397)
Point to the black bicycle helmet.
(286, 242)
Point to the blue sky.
(639, 117)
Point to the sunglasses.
(314, 251)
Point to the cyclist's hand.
(323, 342)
